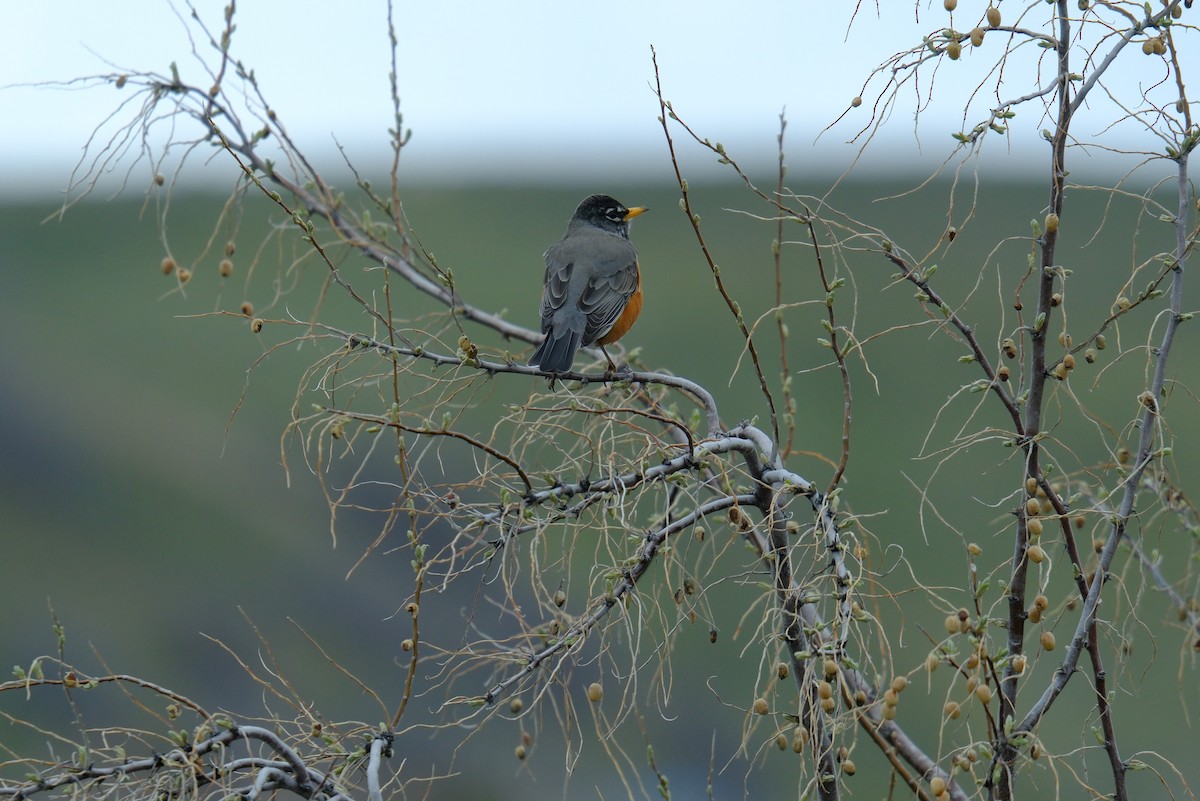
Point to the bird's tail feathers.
(557, 351)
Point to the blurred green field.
(131, 505)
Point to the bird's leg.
(613, 371)
(612, 368)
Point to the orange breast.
(628, 317)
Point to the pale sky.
(541, 90)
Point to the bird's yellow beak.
(635, 211)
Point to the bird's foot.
(614, 373)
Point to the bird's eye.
(615, 214)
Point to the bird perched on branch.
(592, 292)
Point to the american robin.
(592, 292)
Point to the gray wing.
(557, 285)
(606, 297)
(611, 262)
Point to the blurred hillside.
(146, 513)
